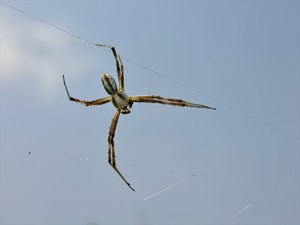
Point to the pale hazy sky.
(242, 57)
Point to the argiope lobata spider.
(123, 104)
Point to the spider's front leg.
(99, 101)
(111, 146)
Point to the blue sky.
(242, 57)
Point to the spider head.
(109, 84)
(126, 110)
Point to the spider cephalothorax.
(118, 97)
(123, 103)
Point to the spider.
(123, 103)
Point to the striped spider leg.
(119, 99)
(109, 85)
(165, 101)
(119, 65)
(111, 146)
(123, 104)
(99, 101)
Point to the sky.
(242, 57)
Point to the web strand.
(169, 187)
(78, 37)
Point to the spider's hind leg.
(119, 64)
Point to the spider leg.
(165, 101)
(111, 146)
(99, 101)
(122, 72)
(119, 65)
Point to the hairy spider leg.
(119, 65)
(99, 101)
(165, 101)
(112, 130)
(111, 146)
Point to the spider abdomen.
(109, 84)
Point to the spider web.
(80, 38)
(187, 178)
